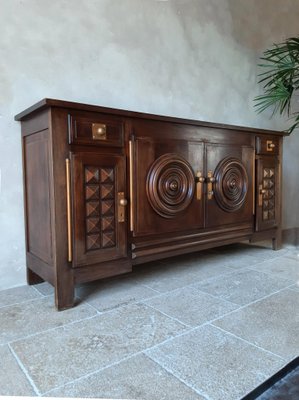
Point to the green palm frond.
(280, 79)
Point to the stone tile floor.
(211, 325)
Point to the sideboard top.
(46, 103)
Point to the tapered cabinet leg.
(33, 278)
(64, 295)
(277, 241)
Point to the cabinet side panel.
(37, 195)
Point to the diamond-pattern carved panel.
(108, 207)
(107, 224)
(107, 175)
(93, 225)
(269, 194)
(107, 191)
(92, 192)
(92, 175)
(92, 208)
(100, 208)
(93, 242)
(108, 239)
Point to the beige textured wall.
(187, 58)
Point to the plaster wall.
(186, 58)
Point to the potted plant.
(280, 79)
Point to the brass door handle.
(123, 202)
(210, 179)
(199, 182)
(261, 195)
(68, 210)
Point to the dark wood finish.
(81, 129)
(231, 200)
(267, 215)
(97, 180)
(45, 104)
(38, 210)
(140, 188)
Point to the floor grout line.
(248, 342)
(166, 315)
(26, 373)
(11, 342)
(253, 302)
(201, 393)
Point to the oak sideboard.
(107, 189)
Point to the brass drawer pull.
(68, 210)
(99, 131)
(270, 145)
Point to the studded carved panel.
(231, 184)
(170, 185)
(268, 205)
(100, 207)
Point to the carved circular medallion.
(231, 184)
(170, 185)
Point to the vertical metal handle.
(199, 184)
(68, 210)
(131, 186)
(211, 179)
(261, 195)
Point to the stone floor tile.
(215, 363)
(57, 357)
(243, 287)
(271, 323)
(13, 381)
(137, 378)
(45, 288)
(191, 306)
(293, 254)
(295, 287)
(17, 295)
(283, 267)
(173, 275)
(164, 278)
(260, 250)
(25, 319)
(118, 292)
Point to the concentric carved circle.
(231, 184)
(170, 185)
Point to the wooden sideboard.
(107, 189)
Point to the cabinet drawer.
(95, 129)
(267, 145)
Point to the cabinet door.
(167, 194)
(229, 185)
(267, 193)
(99, 231)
